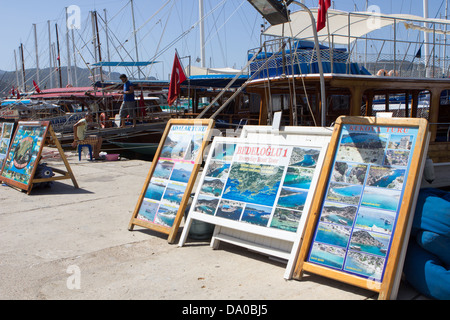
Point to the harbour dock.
(57, 233)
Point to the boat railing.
(363, 56)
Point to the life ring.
(381, 72)
(103, 120)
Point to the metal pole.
(50, 61)
(69, 65)
(319, 61)
(17, 70)
(24, 86)
(135, 38)
(74, 59)
(94, 42)
(426, 39)
(58, 56)
(202, 34)
(37, 53)
(107, 40)
(445, 40)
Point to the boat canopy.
(344, 27)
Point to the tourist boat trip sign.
(172, 175)
(370, 178)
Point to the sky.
(232, 27)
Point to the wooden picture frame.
(24, 154)
(172, 175)
(360, 219)
(267, 222)
(30, 138)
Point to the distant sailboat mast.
(202, 34)
(425, 40)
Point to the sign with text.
(173, 172)
(361, 214)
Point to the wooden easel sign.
(24, 154)
(173, 172)
(257, 192)
(359, 216)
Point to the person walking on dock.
(128, 107)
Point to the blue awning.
(123, 63)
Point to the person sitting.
(79, 136)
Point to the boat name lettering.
(262, 151)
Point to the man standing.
(128, 107)
(79, 135)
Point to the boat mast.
(426, 39)
(107, 40)
(98, 45)
(135, 38)
(58, 55)
(37, 54)
(202, 34)
(94, 42)
(69, 65)
(50, 64)
(17, 70)
(74, 60)
(24, 86)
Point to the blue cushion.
(432, 212)
(436, 244)
(426, 273)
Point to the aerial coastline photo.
(230, 210)
(349, 194)
(286, 219)
(258, 215)
(206, 204)
(375, 220)
(304, 157)
(327, 255)
(332, 234)
(381, 198)
(362, 147)
(349, 173)
(298, 177)
(386, 177)
(338, 213)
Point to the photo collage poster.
(6, 133)
(24, 150)
(359, 212)
(259, 184)
(171, 175)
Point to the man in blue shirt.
(128, 107)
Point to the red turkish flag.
(176, 78)
(322, 14)
(36, 87)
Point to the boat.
(285, 75)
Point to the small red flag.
(142, 105)
(176, 78)
(36, 87)
(322, 14)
